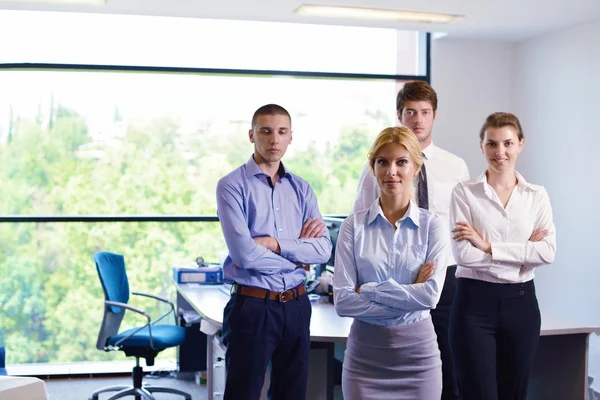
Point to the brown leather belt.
(282, 297)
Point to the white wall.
(557, 91)
(472, 79)
(552, 84)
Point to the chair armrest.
(164, 300)
(137, 310)
(127, 306)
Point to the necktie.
(422, 198)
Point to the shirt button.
(280, 230)
(277, 209)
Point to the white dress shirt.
(444, 170)
(513, 257)
(384, 262)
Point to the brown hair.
(416, 91)
(269, 109)
(500, 120)
(398, 135)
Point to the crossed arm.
(262, 254)
(471, 250)
(387, 299)
(425, 292)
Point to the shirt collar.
(412, 213)
(428, 151)
(522, 184)
(252, 169)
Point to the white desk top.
(23, 388)
(210, 301)
(552, 325)
(325, 324)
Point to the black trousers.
(440, 316)
(258, 332)
(494, 333)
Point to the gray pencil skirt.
(398, 362)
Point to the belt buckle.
(283, 296)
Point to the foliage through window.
(90, 142)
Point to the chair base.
(144, 393)
(140, 392)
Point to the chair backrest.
(111, 270)
(2, 364)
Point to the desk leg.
(330, 370)
(210, 363)
(560, 368)
(321, 371)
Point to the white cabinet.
(218, 364)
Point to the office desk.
(559, 372)
(22, 388)
(325, 329)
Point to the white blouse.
(513, 257)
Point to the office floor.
(82, 388)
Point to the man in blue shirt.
(273, 228)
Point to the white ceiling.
(506, 20)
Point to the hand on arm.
(425, 292)
(346, 288)
(538, 235)
(426, 272)
(312, 228)
(463, 231)
(540, 248)
(268, 242)
(313, 246)
(465, 253)
(245, 252)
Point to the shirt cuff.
(510, 273)
(287, 248)
(368, 291)
(505, 252)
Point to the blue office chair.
(2, 364)
(140, 342)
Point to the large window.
(80, 143)
(95, 139)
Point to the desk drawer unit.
(219, 373)
(218, 368)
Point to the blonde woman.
(502, 230)
(389, 273)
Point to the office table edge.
(182, 292)
(334, 339)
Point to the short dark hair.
(416, 91)
(500, 120)
(270, 109)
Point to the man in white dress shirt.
(417, 107)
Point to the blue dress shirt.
(384, 262)
(249, 206)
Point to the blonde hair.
(397, 135)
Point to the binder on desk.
(209, 275)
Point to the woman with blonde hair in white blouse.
(502, 229)
(390, 266)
